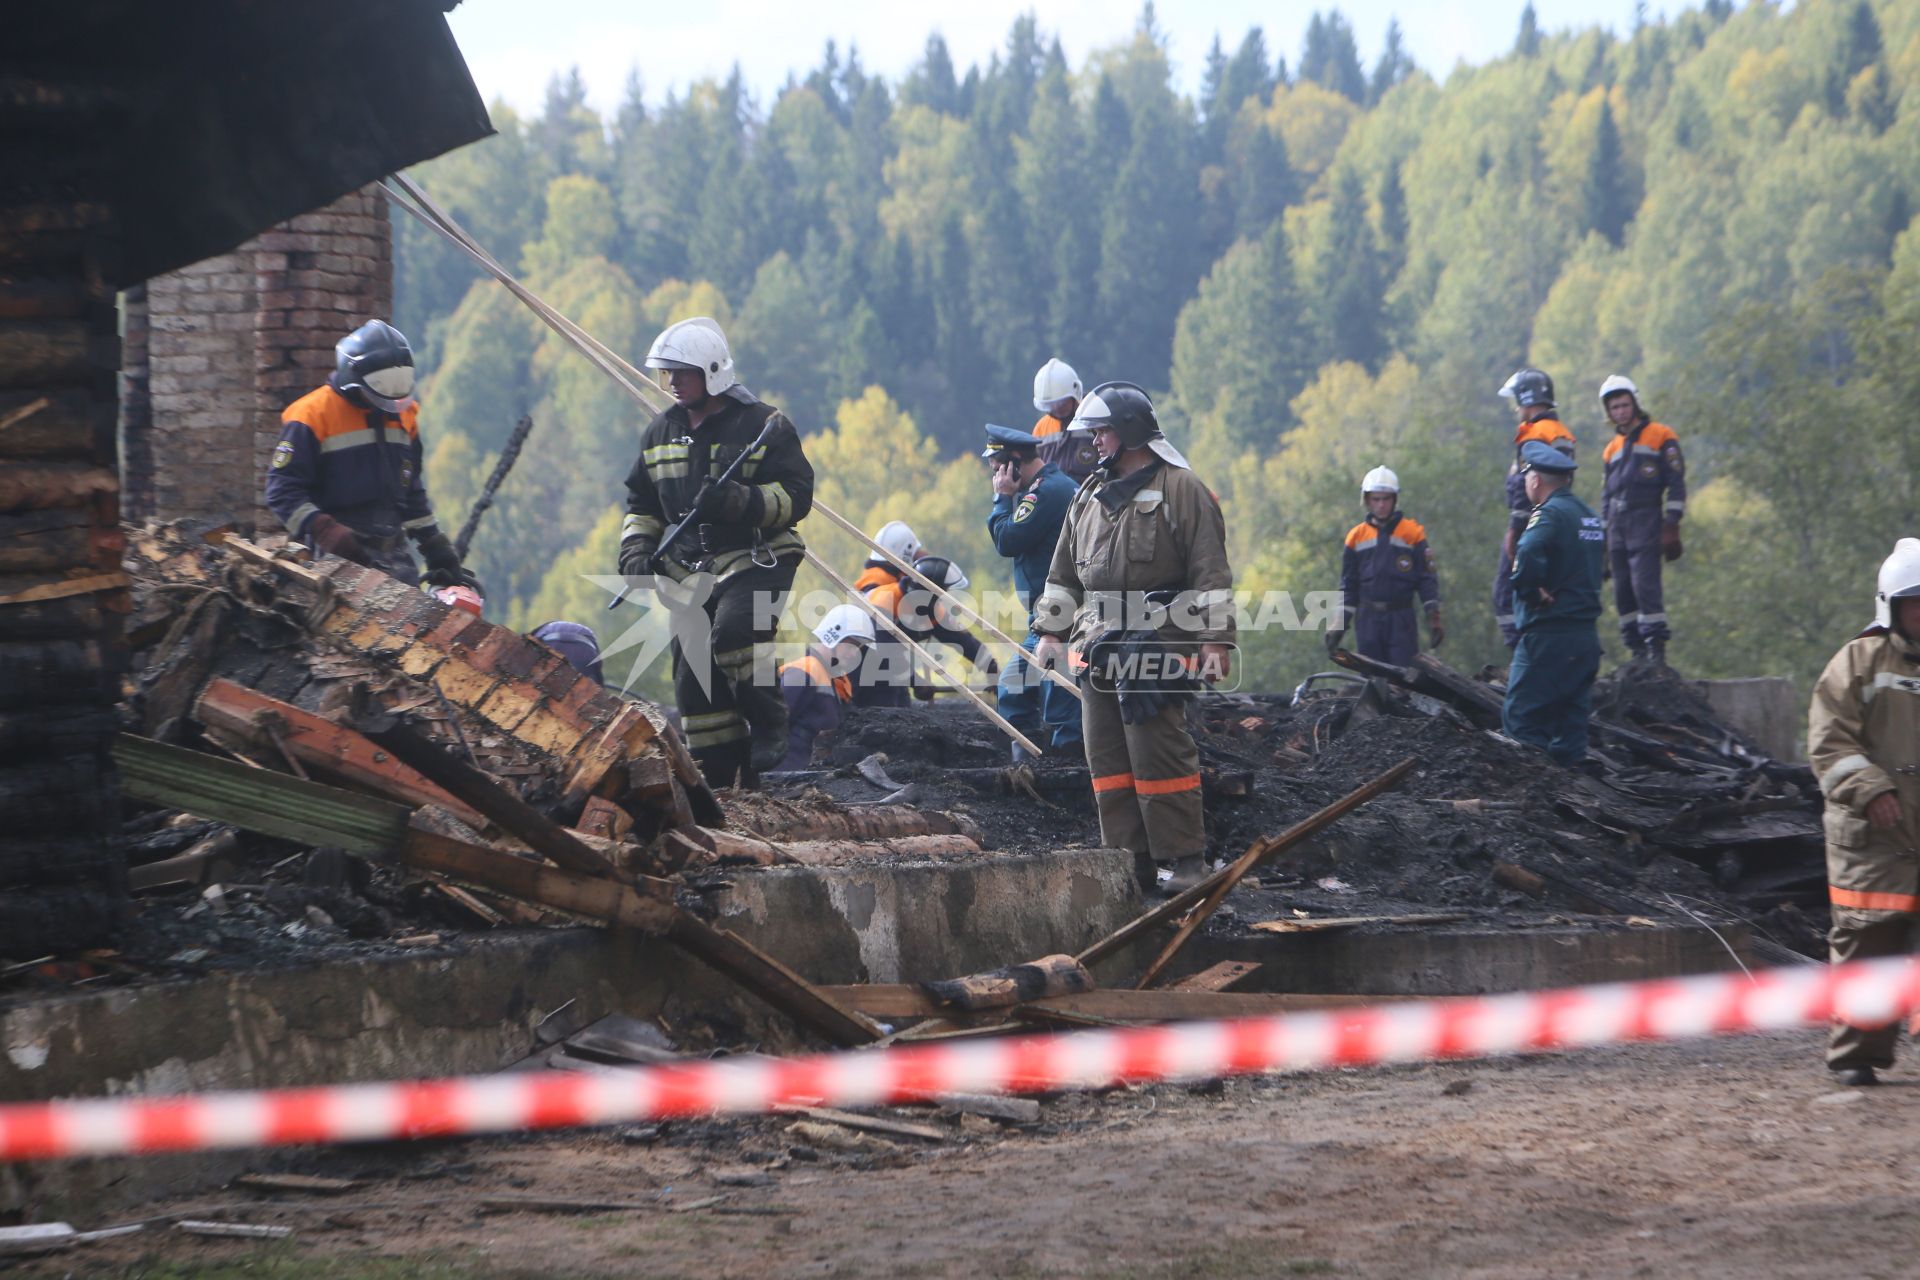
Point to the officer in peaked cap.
(1556, 599)
(1030, 500)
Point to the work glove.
(1436, 633)
(1333, 638)
(334, 538)
(443, 564)
(1670, 541)
(734, 502)
(636, 559)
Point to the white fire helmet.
(699, 344)
(896, 537)
(844, 622)
(1380, 480)
(1899, 578)
(1055, 382)
(1614, 385)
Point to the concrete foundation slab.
(1767, 709)
(473, 1007)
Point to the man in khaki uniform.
(1143, 524)
(1863, 740)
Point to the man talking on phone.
(1030, 500)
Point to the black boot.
(765, 710)
(1657, 654)
(1855, 1077)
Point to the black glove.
(1135, 665)
(1334, 636)
(636, 559)
(443, 564)
(734, 502)
(334, 538)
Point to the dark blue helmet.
(374, 364)
(1529, 388)
(575, 642)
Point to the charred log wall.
(63, 595)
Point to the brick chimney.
(213, 352)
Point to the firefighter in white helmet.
(819, 683)
(736, 725)
(1644, 499)
(1385, 564)
(1863, 741)
(1056, 394)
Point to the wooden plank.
(333, 749)
(870, 1124)
(1263, 851)
(1329, 924)
(1185, 900)
(295, 1182)
(903, 1000)
(593, 896)
(507, 811)
(772, 981)
(1218, 978)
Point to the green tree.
(1349, 277)
(1527, 43)
(1608, 194)
(1395, 64)
(1330, 57)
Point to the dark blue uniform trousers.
(1028, 699)
(1550, 688)
(1387, 635)
(1633, 545)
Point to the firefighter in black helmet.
(1140, 584)
(346, 476)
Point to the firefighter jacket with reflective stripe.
(360, 466)
(1384, 565)
(1024, 527)
(676, 459)
(1645, 472)
(1560, 551)
(1158, 529)
(1863, 740)
(1548, 431)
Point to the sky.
(514, 48)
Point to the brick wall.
(221, 347)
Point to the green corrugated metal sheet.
(272, 804)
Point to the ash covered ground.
(1623, 840)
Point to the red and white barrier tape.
(1867, 993)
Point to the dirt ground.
(1723, 1158)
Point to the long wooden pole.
(1260, 851)
(632, 380)
(901, 563)
(886, 620)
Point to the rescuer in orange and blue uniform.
(1532, 394)
(1385, 564)
(346, 475)
(1644, 499)
(818, 685)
